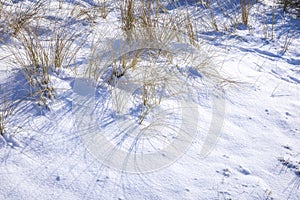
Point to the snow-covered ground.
(63, 153)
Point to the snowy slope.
(44, 154)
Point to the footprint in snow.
(225, 172)
(244, 170)
(267, 111)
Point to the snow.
(237, 142)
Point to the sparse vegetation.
(35, 61)
(287, 42)
(127, 17)
(293, 165)
(20, 17)
(43, 54)
(292, 6)
(154, 67)
(104, 10)
(7, 109)
(245, 8)
(40, 54)
(4, 113)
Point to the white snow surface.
(257, 155)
